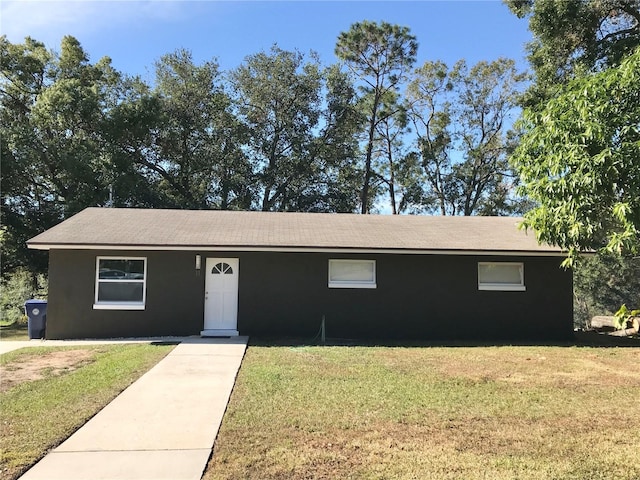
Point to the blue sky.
(136, 33)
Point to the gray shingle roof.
(209, 229)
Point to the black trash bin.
(37, 315)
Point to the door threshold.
(219, 333)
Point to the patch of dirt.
(37, 367)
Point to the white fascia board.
(367, 251)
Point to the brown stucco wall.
(417, 297)
(174, 304)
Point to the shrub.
(16, 288)
(602, 283)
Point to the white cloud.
(49, 20)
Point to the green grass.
(14, 332)
(432, 412)
(37, 415)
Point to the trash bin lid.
(35, 302)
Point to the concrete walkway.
(162, 427)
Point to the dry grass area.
(432, 412)
(51, 364)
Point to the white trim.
(506, 287)
(347, 283)
(352, 285)
(240, 248)
(114, 305)
(118, 306)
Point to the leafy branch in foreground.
(578, 160)
(624, 316)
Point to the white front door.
(221, 297)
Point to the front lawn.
(432, 412)
(46, 393)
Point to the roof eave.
(292, 249)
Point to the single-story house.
(149, 272)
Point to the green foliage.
(602, 283)
(391, 162)
(280, 132)
(194, 155)
(460, 118)
(579, 154)
(624, 316)
(279, 102)
(574, 36)
(300, 121)
(53, 113)
(337, 145)
(16, 288)
(380, 56)
(578, 161)
(76, 134)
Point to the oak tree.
(576, 36)
(53, 112)
(460, 118)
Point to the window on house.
(501, 276)
(222, 268)
(120, 283)
(352, 274)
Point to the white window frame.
(352, 284)
(507, 287)
(119, 305)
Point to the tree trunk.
(392, 188)
(364, 198)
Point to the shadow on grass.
(579, 339)
(14, 332)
